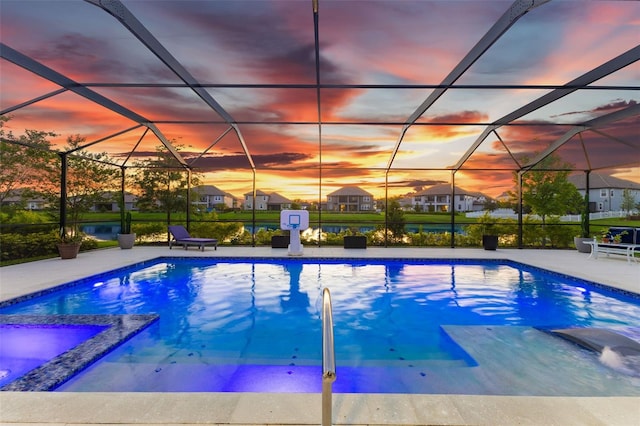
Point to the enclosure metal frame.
(517, 9)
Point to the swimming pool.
(401, 326)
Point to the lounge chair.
(181, 236)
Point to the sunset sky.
(259, 59)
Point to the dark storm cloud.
(89, 59)
(459, 117)
(240, 161)
(416, 184)
(610, 107)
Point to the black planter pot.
(355, 241)
(280, 241)
(490, 242)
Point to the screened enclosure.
(303, 98)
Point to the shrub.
(23, 246)
(223, 231)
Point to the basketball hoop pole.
(293, 221)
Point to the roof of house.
(19, 194)
(258, 192)
(351, 190)
(599, 181)
(210, 190)
(445, 189)
(114, 196)
(275, 198)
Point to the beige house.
(211, 198)
(438, 199)
(350, 199)
(264, 201)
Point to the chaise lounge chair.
(181, 236)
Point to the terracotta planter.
(68, 250)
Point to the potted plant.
(615, 236)
(580, 241)
(126, 238)
(489, 237)
(69, 243)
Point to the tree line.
(32, 168)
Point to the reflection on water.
(220, 318)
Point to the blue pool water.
(25, 347)
(401, 326)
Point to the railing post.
(328, 358)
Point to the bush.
(505, 229)
(23, 246)
(26, 222)
(559, 235)
(437, 239)
(150, 231)
(223, 231)
(37, 244)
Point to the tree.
(628, 202)
(546, 189)
(28, 163)
(163, 183)
(89, 178)
(395, 219)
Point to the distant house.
(505, 197)
(406, 203)
(26, 199)
(278, 202)
(605, 191)
(350, 199)
(110, 202)
(264, 201)
(438, 199)
(212, 198)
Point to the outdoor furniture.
(181, 236)
(629, 243)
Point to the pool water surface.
(401, 326)
(24, 347)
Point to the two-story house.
(438, 199)
(350, 199)
(213, 198)
(264, 201)
(605, 191)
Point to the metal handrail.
(328, 357)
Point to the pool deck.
(51, 408)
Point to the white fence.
(510, 214)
